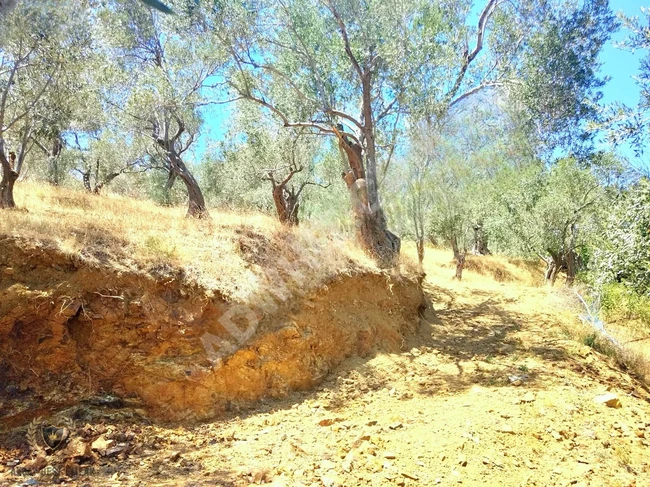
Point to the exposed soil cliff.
(72, 327)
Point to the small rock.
(116, 450)
(78, 449)
(506, 428)
(348, 461)
(396, 426)
(389, 454)
(37, 464)
(528, 397)
(462, 460)
(329, 421)
(610, 400)
(411, 476)
(331, 481)
(101, 444)
(569, 435)
(457, 476)
(517, 380)
(327, 465)
(174, 456)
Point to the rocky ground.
(493, 390)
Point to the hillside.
(185, 319)
(104, 302)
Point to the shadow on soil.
(455, 348)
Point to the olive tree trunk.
(553, 267)
(361, 179)
(459, 257)
(480, 240)
(9, 177)
(419, 244)
(196, 202)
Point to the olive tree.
(41, 48)
(166, 71)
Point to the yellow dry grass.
(490, 268)
(242, 256)
(523, 281)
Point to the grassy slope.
(231, 254)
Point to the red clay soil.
(70, 331)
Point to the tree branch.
(476, 89)
(337, 113)
(346, 40)
(487, 12)
(287, 123)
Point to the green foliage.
(159, 248)
(44, 48)
(590, 340)
(619, 301)
(455, 115)
(542, 210)
(624, 253)
(237, 176)
(560, 85)
(622, 123)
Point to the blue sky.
(622, 65)
(619, 65)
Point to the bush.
(624, 255)
(620, 302)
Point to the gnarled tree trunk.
(480, 240)
(7, 189)
(286, 200)
(459, 257)
(53, 156)
(9, 177)
(172, 149)
(554, 265)
(419, 244)
(196, 202)
(570, 265)
(372, 229)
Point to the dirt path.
(492, 391)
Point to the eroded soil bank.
(72, 331)
(491, 390)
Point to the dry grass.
(630, 355)
(242, 256)
(493, 274)
(634, 360)
(477, 268)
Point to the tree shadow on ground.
(458, 345)
(455, 348)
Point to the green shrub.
(620, 302)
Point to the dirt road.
(491, 391)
